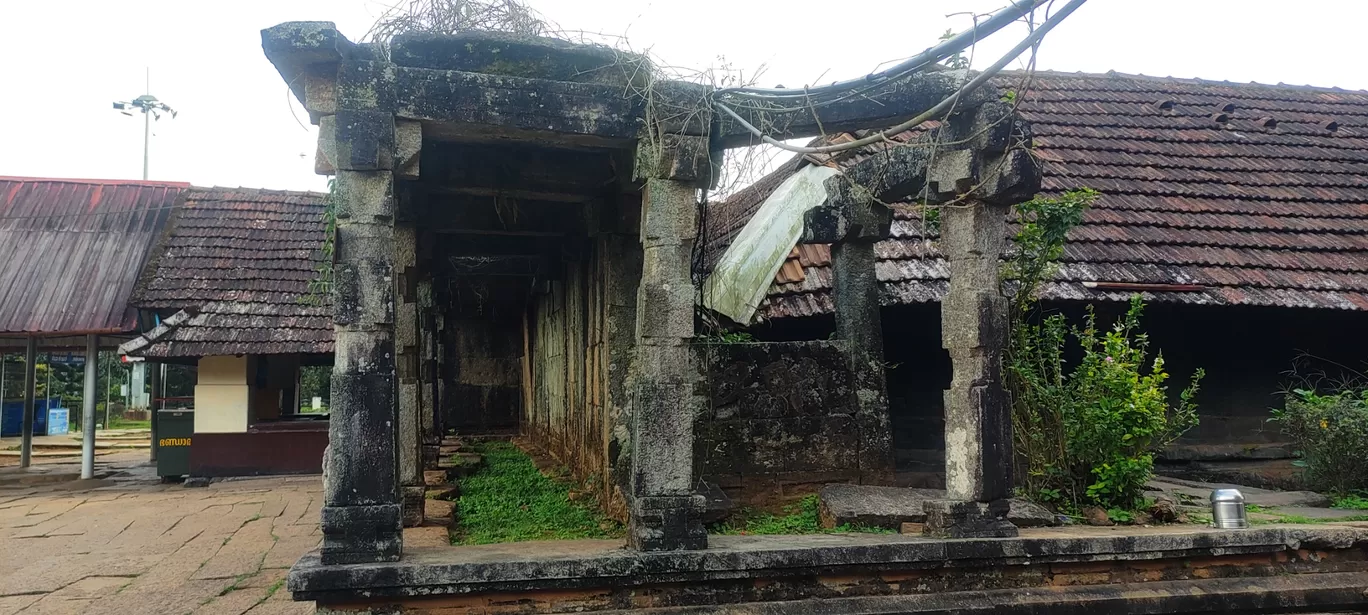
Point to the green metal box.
(174, 430)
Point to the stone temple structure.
(498, 193)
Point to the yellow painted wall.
(222, 395)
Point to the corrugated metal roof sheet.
(240, 261)
(71, 251)
(1259, 212)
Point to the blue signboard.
(12, 416)
(58, 421)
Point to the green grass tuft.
(1353, 501)
(799, 518)
(509, 500)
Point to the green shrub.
(1087, 435)
(1331, 432)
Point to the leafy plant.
(1352, 501)
(731, 337)
(1085, 430)
(321, 286)
(1120, 515)
(1331, 432)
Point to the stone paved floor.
(127, 544)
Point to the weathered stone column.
(665, 513)
(855, 293)
(978, 185)
(853, 221)
(361, 507)
(429, 438)
(623, 255)
(407, 368)
(978, 421)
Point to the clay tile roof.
(1269, 207)
(238, 262)
(71, 251)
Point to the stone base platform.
(1178, 569)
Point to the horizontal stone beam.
(485, 102)
(533, 57)
(879, 107)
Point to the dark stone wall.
(579, 343)
(481, 363)
(781, 418)
(1246, 352)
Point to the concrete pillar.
(407, 370)
(665, 513)
(30, 385)
(855, 292)
(154, 374)
(361, 516)
(978, 422)
(92, 376)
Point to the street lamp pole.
(151, 108)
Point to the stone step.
(433, 478)
(439, 512)
(460, 465)
(1198, 493)
(891, 507)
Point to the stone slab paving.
(130, 545)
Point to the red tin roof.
(71, 251)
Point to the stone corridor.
(130, 545)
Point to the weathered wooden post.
(154, 376)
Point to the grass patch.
(509, 500)
(120, 423)
(1353, 501)
(1298, 519)
(798, 518)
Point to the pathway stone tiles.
(131, 545)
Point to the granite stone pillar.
(429, 437)
(855, 292)
(623, 273)
(665, 513)
(407, 370)
(361, 516)
(977, 186)
(852, 220)
(978, 420)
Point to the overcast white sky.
(65, 62)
